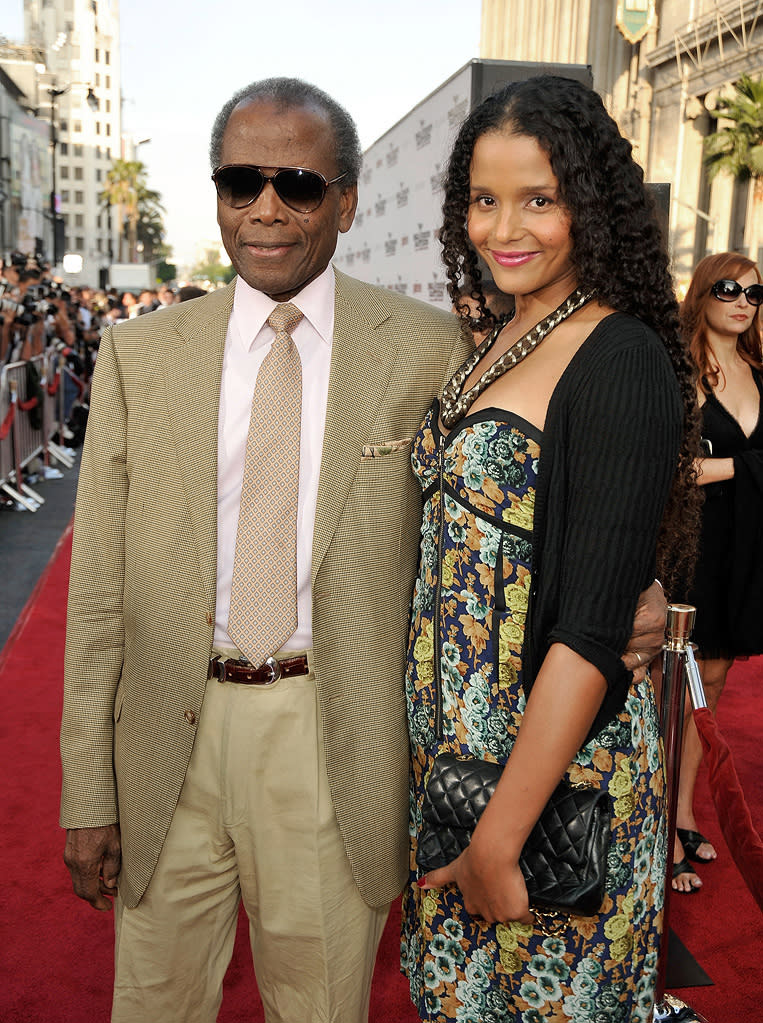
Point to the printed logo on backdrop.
(359, 218)
(380, 207)
(365, 255)
(457, 112)
(404, 241)
(392, 156)
(367, 175)
(401, 287)
(436, 180)
(635, 18)
(390, 247)
(421, 239)
(436, 291)
(349, 258)
(402, 196)
(423, 135)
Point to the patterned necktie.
(263, 600)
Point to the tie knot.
(284, 318)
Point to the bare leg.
(713, 674)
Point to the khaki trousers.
(255, 822)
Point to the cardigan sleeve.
(620, 433)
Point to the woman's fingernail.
(422, 882)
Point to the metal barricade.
(20, 440)
(8, 411)
(54, 368)
(30, 438)
(25, 440)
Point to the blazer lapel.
(362, 358)
(193, 374)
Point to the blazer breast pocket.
(380, 492)
(385, 449)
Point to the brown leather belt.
(266, 674)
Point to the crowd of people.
(237, 684)
(38, 310)
(40, 314)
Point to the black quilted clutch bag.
(564, 861)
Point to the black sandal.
(684, 867)
(691, 841)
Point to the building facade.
(24, 171)
(68, 68)
(658, 88)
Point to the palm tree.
(736, 148)
(126, 189)
(150, 233)
(150, 225)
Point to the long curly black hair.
(617, 250)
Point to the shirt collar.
(315, 301)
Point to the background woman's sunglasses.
(729, 291)
(238, 185)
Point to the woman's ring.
(638, 657)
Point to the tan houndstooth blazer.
(142, 592)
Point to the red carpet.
(56, 952)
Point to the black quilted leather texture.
(565, 857)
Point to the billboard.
(394, 239)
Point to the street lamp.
(92, 101)
(54, 94)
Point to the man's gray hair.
(293, 93)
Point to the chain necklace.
(454, 405)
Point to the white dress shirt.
(247, 343)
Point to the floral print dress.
(467, 628)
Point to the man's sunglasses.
(238, 185)
(729, 291)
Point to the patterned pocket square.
(386, 448)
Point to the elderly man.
(245, 545)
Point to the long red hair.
(723, 266)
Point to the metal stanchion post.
(676, 652)
(694, 680)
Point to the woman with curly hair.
(721, 324)
(557, 471)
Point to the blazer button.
(190, 717)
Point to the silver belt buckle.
(275, 671)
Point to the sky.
(182, 61)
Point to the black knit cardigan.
(608, 455)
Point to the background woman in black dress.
(720, 320)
